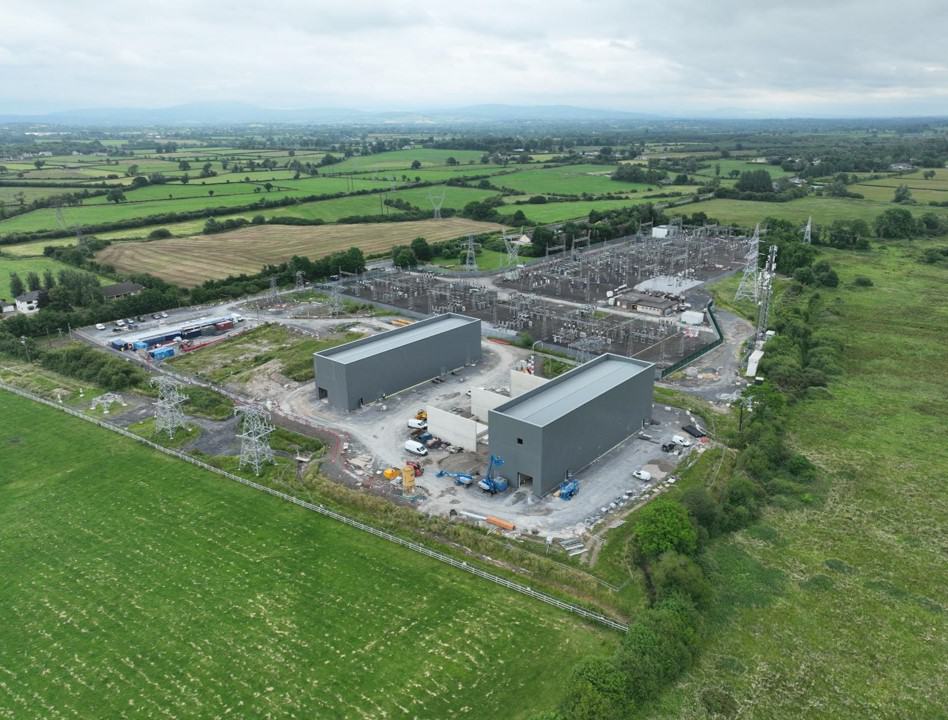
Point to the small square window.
(519, 441)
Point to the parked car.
(643, 475)
(681, 440)
(416, 448)
(164, 314)
(120, 323)
(99, 326)
(416, 424)
(156, 316)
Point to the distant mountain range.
(225, 113)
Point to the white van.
(681, 440)
(415, 447)
(416, 424)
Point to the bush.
(159, 234)
(862, 281)
(676, 574)
(659, 646)
(90, 365)
(661, 526)
(596, 692)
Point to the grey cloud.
(780, 58)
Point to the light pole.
(26, 348)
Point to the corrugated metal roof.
(568, 392)
(383, 342)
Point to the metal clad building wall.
(519, 457)
(576, 439)
(367, 379)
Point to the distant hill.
(243, 113)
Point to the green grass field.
(567, 180)
(328, 210)
(839, 610)
(402, 160)
(559, 211)
(921, 193)
(24, 265)
(35, 248)
(824, 210)
(137, 584)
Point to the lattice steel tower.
(168, 414)
(255, 429)
(470, 254)
(750, 282)
(436, 202)
(808, 231)
(513, 249)
(766, 292)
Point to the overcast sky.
(762, 57)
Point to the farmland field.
(838, 609)
(559, 211)
(402, 160)
(568, 180)
(135, 584)
(823, 209)
(190, 261)
(921, 192)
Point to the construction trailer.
(364, 371)
(553, 431)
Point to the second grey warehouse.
(561, 427)
(366, 370)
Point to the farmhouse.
(363, 371)
(562, 426)
(29, 302)
(121, 290)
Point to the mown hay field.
(191, 261)
(137, 585)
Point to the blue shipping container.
(162, 353)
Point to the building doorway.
(323, 393)
(524, 481)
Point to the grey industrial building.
(365, 370)
(565, 424)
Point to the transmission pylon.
(750, 282)
(513, 248)
(255, 429)
(274, 294)
(168, 414)
(766, 292)
(335, 302)
(436, 202)
(808, 231)
(300, 280)
(470, 254)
